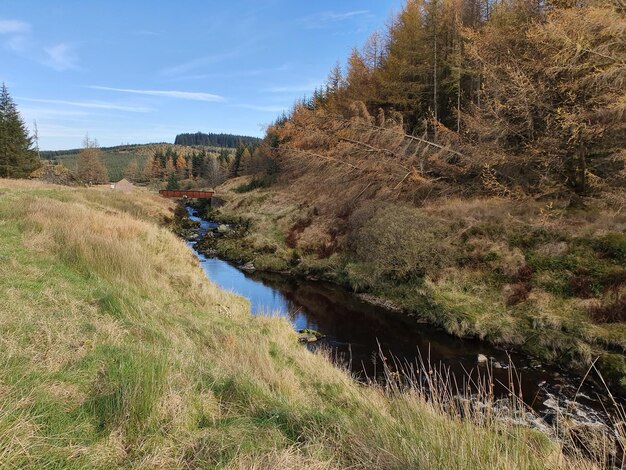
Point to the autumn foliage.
(513, 99)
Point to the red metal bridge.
(186, 194)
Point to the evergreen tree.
(236, 168)
(172, 181)
(245, 162)
(17, 158)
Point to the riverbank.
(117, 352)
(533, 277)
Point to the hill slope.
(117, 352)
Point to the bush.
(399, 245)
(255, 183)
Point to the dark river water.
(357, 333)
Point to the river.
(360, 335)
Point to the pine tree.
(17, 158)
(172, 181)
(236, 168)
(245, 162)
(407, 72)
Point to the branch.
(317, 155)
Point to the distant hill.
(216, 140)
(115, 159)
(52, 154)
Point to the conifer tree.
(91, 170)
(170, 167)
(148, 169)
(245, 163)
(17, 158)
(181, 166)
(172, 181)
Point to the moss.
(613, 368)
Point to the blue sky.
(143, 71)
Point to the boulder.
(247, 267)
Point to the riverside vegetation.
(118, 352)
(535, 277)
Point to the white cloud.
(35, 112)
(14, 27)
(17, 43)
(224, 55)
(194, 64)
(19, 40)
(299, 88)
(144, 32)
(17, 33)
(91, 105)
(267, 109)
(234, 73)
(61, 57)
(323, 19)
(49, 130)
(183, 95)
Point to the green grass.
(118, 353)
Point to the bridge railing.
(188, 194)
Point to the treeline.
(52, 154)
(216, 140)
(18, 158)
(519, 96)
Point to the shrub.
(256, 183)
(400, 245)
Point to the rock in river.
(247, 267)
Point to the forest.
(215, 140)
(518, 97)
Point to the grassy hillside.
(115, 159)
(118, 353)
